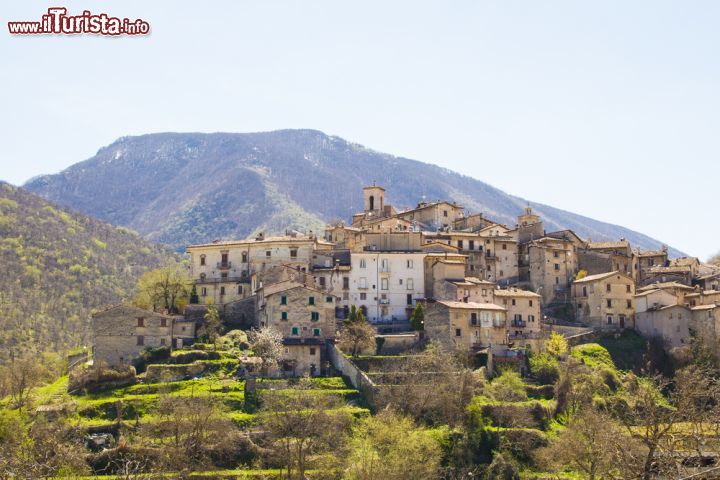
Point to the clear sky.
(605, 108)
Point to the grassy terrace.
(138, 402)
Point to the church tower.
(374, 199)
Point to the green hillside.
(56, 267)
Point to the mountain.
(56, 267)
(182, 188)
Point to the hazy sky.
(606, 108)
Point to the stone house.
(672, 323)
(469, 289)
(653, 299)
(680, 274)
(600, 257)
(222, 270)
(331, 274)
(524, 319)
(440, 268)
(677, 289)
(646, 260)
(467, 325)
(305, 317)
(122, 332)
(605, 300)
(550, 265)
(702, 297)
(433, 215)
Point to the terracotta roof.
(706, 292)
(471, 305)
(515, 292)
(479, 281)
(705, 307)
(651, 253)
(599, 276)
(677, 269)
(600, 245)
(253, 241)
(664, 285)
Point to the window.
(316, 332)
(202, 260)
(203, 291)
(140, 340)
(410, 284)
(244, 257)
(311, 301)
(518, 317)
(473, 318)
(362, 283)
(294, 331)
(556, 254)
(283, 300)
(202, 276)
(400, 281)
(557, 266)
(609, 303)
(363, 263)
(409, 264)
(314, 316)
(460, 244)
(531, 303)
(512, 301)
(444, 213)
(383, 283)
(312, 350)
(584, 291)
(609, 320)
(531, 318)
(163, 322)
(240, 290)
(458, 332)
(409, 299)
(629, 304)
(627, 288)
(141, 322)
(293, 253)
(471, 244)
(223, 275)
(222, 290)
(283, 316)
(328, 299)
(557, 280)
(384, 265)
(607, 287)
(322, 281)
(363, 296)
(162, 342)
(346, 283)
(504, 246)
(268, 253)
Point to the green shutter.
(283, 300)
(294, 330)
(328, 299)
(283, 316)
(316, 332)
(312, 301)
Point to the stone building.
(468, 289)
(550, 266)
(600, 257)
(466, 325)
(524, 319)
(672, 323)
(222, 270)
(677, 289)
(122, 332)
(653, 299)
(702, 297)
(646, 260)
(331, 274)
(605, 300)
(306, 318)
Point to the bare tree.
(356, 335)
(267, 343)
(302, 423)
(20, 376)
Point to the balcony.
(518, 323)
(490, 255)
(224, 265)
(384, 301)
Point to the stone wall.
(348, 369)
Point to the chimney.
(260, 236)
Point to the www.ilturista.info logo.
(57, 21)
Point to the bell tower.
(374, 198)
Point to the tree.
(391, 447)
(20, 376)
(189, 429)
(587, 445)
(301, 424)
(417, 319)
(432, 386)
(544, 367)
(211, 327)
(556, 345)
(357, 335)
(508, 387)
(267, 343)
(163, 288)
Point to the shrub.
(508, 387)
(544, 367)
(593, 355)
(546, 392)
(183, 357)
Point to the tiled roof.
(515, 292)
(602, 245)
(471, 305)
(664, 285)
(252, 241)
(599, 276)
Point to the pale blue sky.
(606, 108)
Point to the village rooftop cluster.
(493, 289)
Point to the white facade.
(386, 285)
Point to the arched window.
(372, 202)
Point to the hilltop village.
(493, 289)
